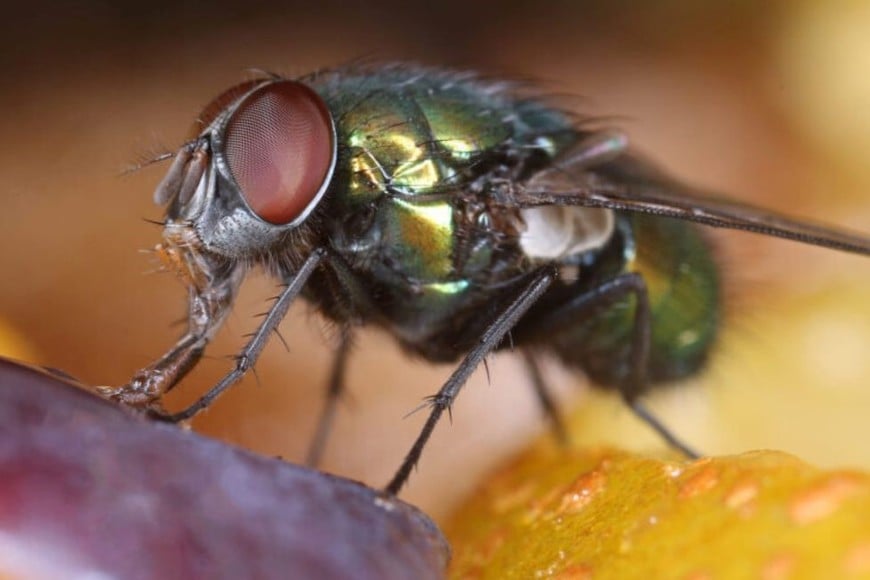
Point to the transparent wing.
(626, 183)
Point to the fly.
(454, 213)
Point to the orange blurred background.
(769, 102)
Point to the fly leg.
(602, 296)
(545, 399)
(249, 355)
(645, 415)
(630, 390)
(207, 310)
(334, 390)
(356, 299)
(490, 339)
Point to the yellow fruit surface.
(609, 514)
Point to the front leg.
(207, 310)
(249, 355)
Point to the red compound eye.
(279, 148)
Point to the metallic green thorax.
(410, 149)
(419, 154)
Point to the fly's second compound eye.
(279, 146)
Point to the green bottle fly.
(458, 214)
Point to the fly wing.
(627, 183)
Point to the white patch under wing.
(554, 232)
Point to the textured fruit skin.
(609, 514)
(91, 490)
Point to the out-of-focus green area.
(768, 102)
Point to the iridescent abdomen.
(682, 279)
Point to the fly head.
(261, 160)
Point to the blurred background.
(768, 102)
